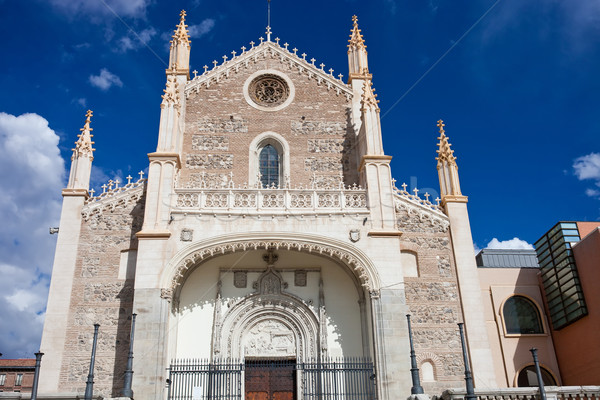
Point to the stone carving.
(302, 200)
(300, 278)
(325, 145)
(356, 200)
(354, 235)
(187, 200)
(413, 218)
(273, 200)
(329, 200)
(209, 161)
(323, 164)
(171, 96)
(210, 142)
(166, 294)
(269, 338)
(208, 180)
(298, 245)
(187, 235)
(318, 128)
(228, 125)
(216, 200)
(240, 279)
(269, 90)
(434, 243)
(245, 200)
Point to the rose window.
(269, 90)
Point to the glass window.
(528, 377)
(2, 379)
(19, 380)
(521, 316)
(268, 163)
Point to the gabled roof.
(243, 60)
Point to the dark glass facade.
(560, 279)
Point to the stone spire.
(179, 58)
(369, 98)
(447, 168)
(358, 65)
(83, 155)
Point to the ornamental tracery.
(193, 259)
(269, 90)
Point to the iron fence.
(325, 379)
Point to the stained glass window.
(269, 166)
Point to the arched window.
(521, 315)
(269, 166)
(427, 372)
(528, 377)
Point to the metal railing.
(347, 379)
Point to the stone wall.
(433, 296)
(220, 125)
(100, 296)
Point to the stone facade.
(101, 297)
(326, 262)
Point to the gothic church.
(269, 232)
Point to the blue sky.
(515, 81)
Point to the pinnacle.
(83, 146)
(181, 33)
(445, 152)
(356, 38)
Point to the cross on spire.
(440, 124)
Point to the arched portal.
(273, 298)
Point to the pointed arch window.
(521, 316)
(269, 160)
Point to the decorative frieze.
(318, 128)
(326, 145)
(209, 161)
(208, 180)
(327, 181)
(210, 142)
(323, 164)
(225, 125)
(412, 218)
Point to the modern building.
(516, 317)
(16, 375)
(569, 257)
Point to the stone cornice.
(153, 235)
(454, 199)
(75, 193)
(165, 156)
(243, 60)
(382, 159)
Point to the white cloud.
(202, 28)
(98, 9)
(588, 167)
(30, 203)
(105, 80)
(513, 244)
(134, 42)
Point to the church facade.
(269, 231)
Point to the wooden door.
(270, 380)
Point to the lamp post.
(538, 373)
(36, 375)
(414, 370)
(468, 376)
(127, 392)
(89, 384)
